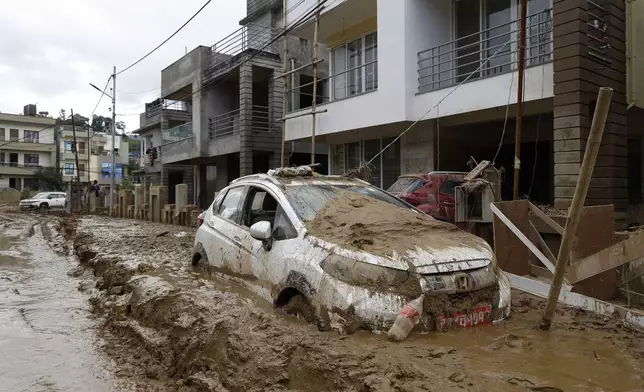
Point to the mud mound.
(359, 222)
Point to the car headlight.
(363, 274)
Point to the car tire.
(43, 206)
(298, 305)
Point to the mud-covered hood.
(462, 253)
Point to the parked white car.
(286, 239)
(44, 200)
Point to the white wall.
(44, 136)
(44, 158)
(307, 5)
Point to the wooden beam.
(543, 247)
(541, 272)
(607, 259)
(521, 236)
(546, 219)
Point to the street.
(101, 304)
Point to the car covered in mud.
(346, 255)
(44, 200)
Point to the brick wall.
(582, 65)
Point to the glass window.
(81, 147)
(497, 18)
(448, 187)
(339, 68)
(1, 157)
(371, 56)
(69, 168)
(2, 134)
(13, 135)
(31, 137)
(230, 207)
(390, 162)
(354, 63)
(283, 229)
(468, 28)
(68, 146)
(13, 159)
(352, 156)
(337, 159)
(406, 184)
(263, 207)
(81, 168)
(31, 159)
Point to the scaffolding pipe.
(297, 69)
(285, 96)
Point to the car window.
(448, 187)
(40, 196)
(262, 206)
(406, 184)
(230, 207)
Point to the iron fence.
(230, 123)
(452, 62)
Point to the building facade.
(443, 74)
(220, 111)
(26, 143)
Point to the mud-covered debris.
(290, 172)
(163, 234)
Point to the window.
(262, 206)
(68, 146)
(13, 135)
(69, 169)
(230, 207)
(355, 67)
(81, 147)
(31, 137)
(31, 159)
(1, 158)
(81, 169)
(2, 134)
(385, 168)
(13, 159)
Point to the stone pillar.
(245, 119)
(581, 66)
(126, 199)
(139, 200)
(181, 200)
(158, 199)
(92, 202)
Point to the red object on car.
(200, 219)
(432, 193)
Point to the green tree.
(49, 179)
(104, 124)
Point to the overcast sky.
(51, 50)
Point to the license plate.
(476, 316)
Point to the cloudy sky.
(51, 50)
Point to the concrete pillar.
(158, 199)
(126, 199)
(579, 72)
(417, 149)
(139, 200)
(245, 119)
(92, 202)
(276, 104)
(181, 198)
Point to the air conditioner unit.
(473, 205)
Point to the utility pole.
(578, 200)
(285, 98)
(517, 140)
(75, 148)
(113, 182)
(315, 84)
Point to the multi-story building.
(26, 143)
(221, 108)
(94, 157)
(443, 74)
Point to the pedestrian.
(95, 188)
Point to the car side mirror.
(262, 231)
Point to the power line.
(25, 137)
(166, 40)
(91, 116)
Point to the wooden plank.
(541, 272)
(607, 259)
(476, 172)
(541, 245)
(508, 223)
(511, 254)
(577, 300)
(546, 219)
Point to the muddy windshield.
(41, 196)
(406, 184)
(307, 200)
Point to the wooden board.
(596, 232)
(546, 219)
(607, 259)
(511, 254)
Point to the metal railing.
(227, 51)
(340, 85)
(597, 28)
(153, 108)
(181, 132)
(231, 122)
(452, 62)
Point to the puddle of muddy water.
(46, 339)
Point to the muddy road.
(116, 304)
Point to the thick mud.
(172, 328)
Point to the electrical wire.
(505, 123)
(166, 40)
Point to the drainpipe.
(631, 56)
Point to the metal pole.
(315, 82)
(113, 182)
(517, 141)
(284, 98)
(75, 148)
(578, 199)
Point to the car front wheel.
(298, 305)
(44, 206)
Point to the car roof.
(300, 180)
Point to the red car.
(432, 193)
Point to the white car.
(44, 200)
(288, 240)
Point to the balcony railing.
(178, 133)
(16, 164)
(452, 62)
(230, 123)
(226, 53)
(155, 107)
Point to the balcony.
(229, 52)
(487, 53)
(177, 133)
(25, 145)
(14, 168)
(229, 123)
(156, 107)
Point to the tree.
(104, 124)
(49, 179)
(62, 115)
(44, 114)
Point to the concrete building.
(453, 65)
(26, 143)
(219, 114)
(94, 157)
